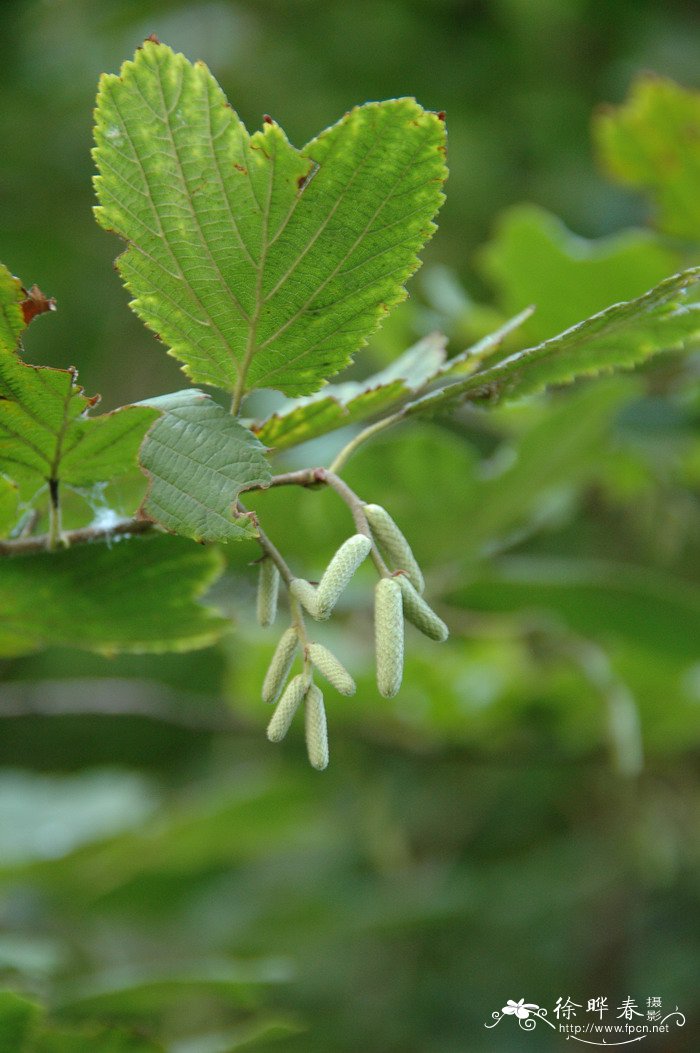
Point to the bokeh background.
(523, 819)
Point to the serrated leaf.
(198, 459)
(338, 405)
(534, 259)
(138, 595)
(665, 318)
(258, 264)
(46, 435)
(18, 1018)
(11, 317)
(652, 143)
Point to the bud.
(417, 611)
(281, 663)
(339, 571)
(394, 545)
(305, 592)
(287, 707)
(388, 635)
(315, 728)
(333, 670)
(268, 589)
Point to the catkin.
(388, 635)
(417, 611)
(305, 592)
(339, 571)
(287, 707)
(280, 664)
(315, 728)
(268, 589)
(394, 545)
(333, 670)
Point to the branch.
(85, 535)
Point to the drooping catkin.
(268, 590)
(305, 592)
(287, 707)
(280, 664)
(339, 571)
(329, 667)
(417, 611)
(388, 636)
(315, 728)
(394, 545)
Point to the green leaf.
(603, 600)
(138, 595)
(534, 259)
(94, 1041)
(665, 318)
(11, 318)
(338, 405)
(18, 1018)
(258, 264)
(652, 143)
(8, 506)
(198, 459)
(45, 433)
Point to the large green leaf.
(534, 259)
(199, 458)
(46, 435)
(665, 318)
(258, 264)
(652, 143)
(137, 595)
(337, 405)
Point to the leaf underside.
(137, 595)
(198, 459)
(258, 264)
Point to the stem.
(55, 535)
(85, 535)
(366, 433)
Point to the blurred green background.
(523, 819)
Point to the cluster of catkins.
(397, 597)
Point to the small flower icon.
(521, 1009)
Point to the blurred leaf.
(46, 435)
(652, 143)
(258, 264)
(338, 405)
(605, 601)
(18, 1018)
(665, 318)
(534, 259)
(199, 458)
(138, 595)
(94, 1040)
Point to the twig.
(85, 535)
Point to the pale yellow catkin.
(339, 571)
(394, 545)
(305, 592)
(268, 590)
(280, 664)
(417, 611)
(315, 728)
(388, 636)
(287, 707)
(331, 668)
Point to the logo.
(604, 1025)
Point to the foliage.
(557, 535)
